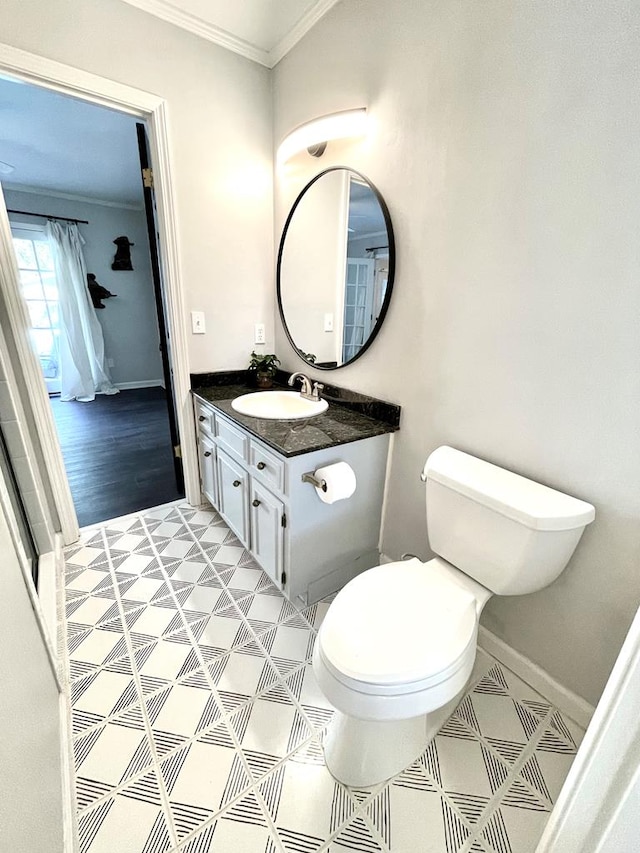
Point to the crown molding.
(21, 188)
(166, 11)
(199, 27)
(308, 20)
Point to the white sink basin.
(278, 405)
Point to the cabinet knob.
(261, 466)
(237, 483)
(207, 453)
(202, 418)
(255, 502)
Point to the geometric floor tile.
(198, 723)
(130, 822)
(416, 814)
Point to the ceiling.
(68, 147)
(65, 146)
(261, 30)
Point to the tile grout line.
(494, 803)
(513, 769)
(136, 678)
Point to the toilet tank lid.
(509, 494)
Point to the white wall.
(219, 107)
(30, 781)
(504, 138)
(129, 322)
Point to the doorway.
(119, 445)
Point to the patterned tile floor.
(197, 724)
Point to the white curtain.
(83, 371)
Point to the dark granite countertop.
(340, 424)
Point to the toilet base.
(360, 753)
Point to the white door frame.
(596, 811)
(100, 90)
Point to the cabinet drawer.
(204, 418)
(234, 440)
(266, 466)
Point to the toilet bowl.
(393, 655)
(397, 646)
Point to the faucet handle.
(317, 388)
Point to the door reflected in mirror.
(335, 268)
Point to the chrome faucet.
(306, 390)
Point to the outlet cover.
(259, 336)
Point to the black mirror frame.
(390, 277)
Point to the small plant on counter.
(308, 356)
(264, 368)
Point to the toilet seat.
(405, 688)
(399, 628)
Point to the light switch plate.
(197, 322)
(328, 322)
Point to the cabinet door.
(233, 496)
(267, 531)
(208, 476)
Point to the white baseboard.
(69, 820)
(47, 593)
(142, 383)
(565, 700)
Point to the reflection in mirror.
(335, 268)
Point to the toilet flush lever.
(423, 477)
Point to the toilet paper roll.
(339, 480)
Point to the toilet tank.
(511, 534)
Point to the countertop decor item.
(264, 368)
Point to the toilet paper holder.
(310, 477)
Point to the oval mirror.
(335, 270)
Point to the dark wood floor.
(117, 452)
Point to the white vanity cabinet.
(307, 547)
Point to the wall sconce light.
(315, 134)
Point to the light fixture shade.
(335, 126)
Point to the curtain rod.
(48, 216)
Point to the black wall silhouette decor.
(97, 291)
(122, 259)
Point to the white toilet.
(398, 643)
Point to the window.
(39, 289)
